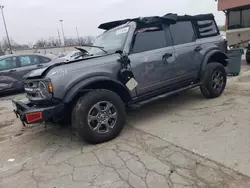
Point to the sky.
(30, 20)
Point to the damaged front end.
(30, 113)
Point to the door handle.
(167, 55)
(13, 70)
(198, 48)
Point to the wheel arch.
(214, 56)
(97, 82)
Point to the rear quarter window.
(207, 28)
(44, 59)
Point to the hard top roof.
(168, 18)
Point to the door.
(27, 64)
(187, 50)
(12, 70)
(9, 80)
(152, 58)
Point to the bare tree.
(41, 43)
(52, 42)
(5, 44)
(1, 49)
(89, 40)
(71, 42)
(30, 44)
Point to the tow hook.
(16, 113)
(24, 125)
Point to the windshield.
(111, 41)
(71, 54)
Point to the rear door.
(187, 50)
(27, 64)
(9, 79)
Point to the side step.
(139, 104)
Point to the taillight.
(33, 117)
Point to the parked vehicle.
(14, 67)
(133, 61)
(72, 56)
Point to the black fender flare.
(210, 54)
(72, 92)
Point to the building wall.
(228, 4)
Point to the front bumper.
(30, 113)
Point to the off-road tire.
(207, 80)
(248, 57)
(82, 108)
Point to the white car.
(72, 55)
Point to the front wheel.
(214, 80)
(99, 116)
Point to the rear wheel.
(99, 116)
(214, 80)
(248, 56)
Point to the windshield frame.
(111, 30)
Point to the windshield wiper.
(99, 47)
(82, 50)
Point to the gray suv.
(133, 61)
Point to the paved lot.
(145, 155)
(56, 158)
(218, 129)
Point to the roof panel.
(169, 18)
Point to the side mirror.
(124, 59)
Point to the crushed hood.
(71, 65)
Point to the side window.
(207, 28)
(234, 20)
(245, 18)
(149, 39)
(28, 60)
(182, 32)
(34, 59)
(25, 61)
(8, 63)
(44, 59)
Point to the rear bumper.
(30, 113)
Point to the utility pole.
(7, 35)
(77, 36)
(59, 38)
(62, 32)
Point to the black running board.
(160, 96)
